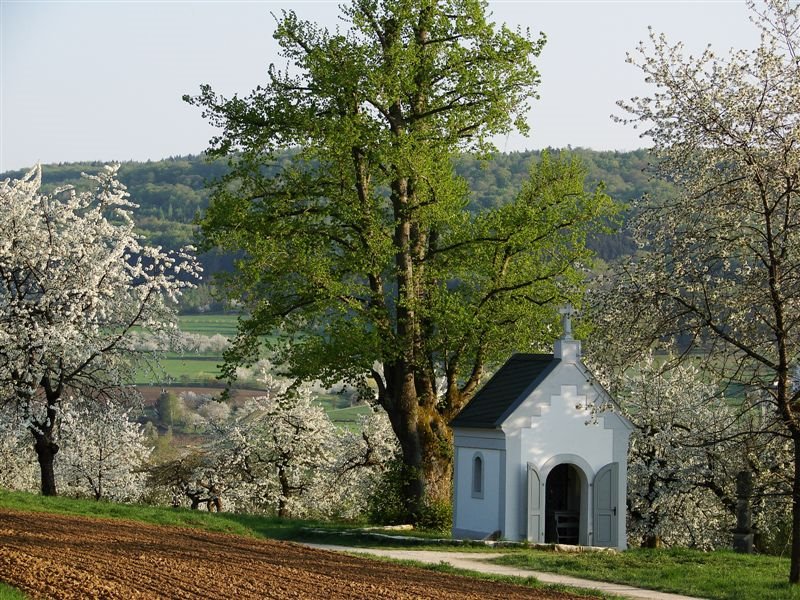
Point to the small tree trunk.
(45, 453)
(743, 533)
(194, 497)
(794, 572)
(651, 540)
(286, 490)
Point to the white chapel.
(534, 462)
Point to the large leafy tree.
(721, 262)
(75, 280)
(360, 251)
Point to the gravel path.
(475, 561)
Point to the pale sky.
(103, 80)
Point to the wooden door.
(535, 506)
(605, 502)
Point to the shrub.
(437, 516)
(385, 505)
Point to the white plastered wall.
(550, 427)
(479, 515)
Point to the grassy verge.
(239, 524)
(530, 582)
(713, 575)
(259, 526)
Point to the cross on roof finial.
(566, 312)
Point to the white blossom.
(75, 280)
(716, 277)
(103, 453)
(281, 454)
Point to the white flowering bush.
(18, 468)
(281, 450)
(103, 453)
(214, 412)
(75, 280)
(184, 341)
(363, 456)
(280, 454)
(688, 445)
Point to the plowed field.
(57, 556)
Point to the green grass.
(715, 575)
(530, 582)
(239, 524)
(187, 369)
(209, 325)
(191, 367)
(258, 526)
(339, 410)
(350, 413)
(10, 593)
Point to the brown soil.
(57, 556)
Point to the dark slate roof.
(505, 390)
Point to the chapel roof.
(505, 391)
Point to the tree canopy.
(361, 252)
(719, 264)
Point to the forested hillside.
(172, 191)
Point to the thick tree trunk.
(426, 446)
(437, 450)
(407, 431)
(413, 483)
(794, 572)
(46, 451)
(427, 459)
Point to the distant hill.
(172, 191)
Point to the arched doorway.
(563, 505)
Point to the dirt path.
(57, 556)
